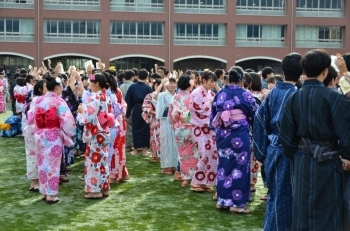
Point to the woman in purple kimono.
(233, 110)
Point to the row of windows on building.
(333, 8)
(204, 34)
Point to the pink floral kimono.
(3, 89)
(200, 108)
(54, 128)
(30, 146)
(97, 139)
(179, 116)
(147, 107)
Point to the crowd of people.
(211, 130)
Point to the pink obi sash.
(47, 119)
(226, 118)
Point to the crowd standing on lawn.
(210, 130)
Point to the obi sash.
(319, 150)
(165, 112)
(227, 118)
(47, 119)
(20, 98)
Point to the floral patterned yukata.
(96, 169)
(147, 107)
(3, 89)
(54, 128)
(179, 116)
(204, 137)
(118, 162)
(233, 108)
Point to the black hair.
(291, 67)
(172, 80)
(249, 70)
(21, 81)
(28, 78)
(39, 87)
(239, 71)
(84, 78)
(166, 73)
(271, 80)
(256, 82)
(266, 71)
(218, 72)
(279, 78)
(128, 74)
(208, 75)
(136, 71)
(332, 74)
(156, 81)
(111, 81)
(155, 76)
(299, 84)
(23, 71)
(234, 76)
(162, 68)
(101, 80)
(143, 74)
(315, 62)
(247, 80)
(16, 75)
(346, 58)
(121, 76)
(184, 82)
(51, 82)
(23, 76)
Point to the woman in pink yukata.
(95, 113)
(29, 131)
(200, 108)
(179, 116)
(54, 128)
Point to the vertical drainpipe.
(291, 27)
(169, 34)
(38, 34)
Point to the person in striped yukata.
(268, 150)
(314, 132)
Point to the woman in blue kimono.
(233, 110)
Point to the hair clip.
(92, 78)
(58, 80)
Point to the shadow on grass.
(148, 201)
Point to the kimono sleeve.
(174, 111)
(67, 123)
(147, 108)
(31, 111)
(261, 131)
(129, 101)
(199, 108)
(288, 130)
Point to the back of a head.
(143, 74)
(136, 71)
(128, 74)
(21, 81)
(16, 75)
(256, 82)
(315, 62)
(184, 82)
(332, 74)
(266, 71)
(346, 58)
(234, 76)
(218, 72)
(291, 67)
(238, 69)
(23, 71)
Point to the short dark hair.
(84, 78)
(314, 62)
(249, 70)
(143, 74)
(28, 78)
(156, 81)
(346, 58)
(155, 76)
(218, 72)
(256, 82)
(21, 81)
(136, 71)
(184, 82)
(271, 80)
(39, 87)
(16, 75)
(247, 80)
(266, 71)
(23, 71)
(332, 74)
(291, 67)
(128, 74)
(162, 68)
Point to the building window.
(21, 4)
(137, 6)
(260, 35)
(200, 34)
(200, 6)
(72, 31)
(72, 5)
(320, 8)
(260, 7)
(136, 32)
(16, 30)
(319, 36)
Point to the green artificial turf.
(148, 201)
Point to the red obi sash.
(20, 98)
(47, 119)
